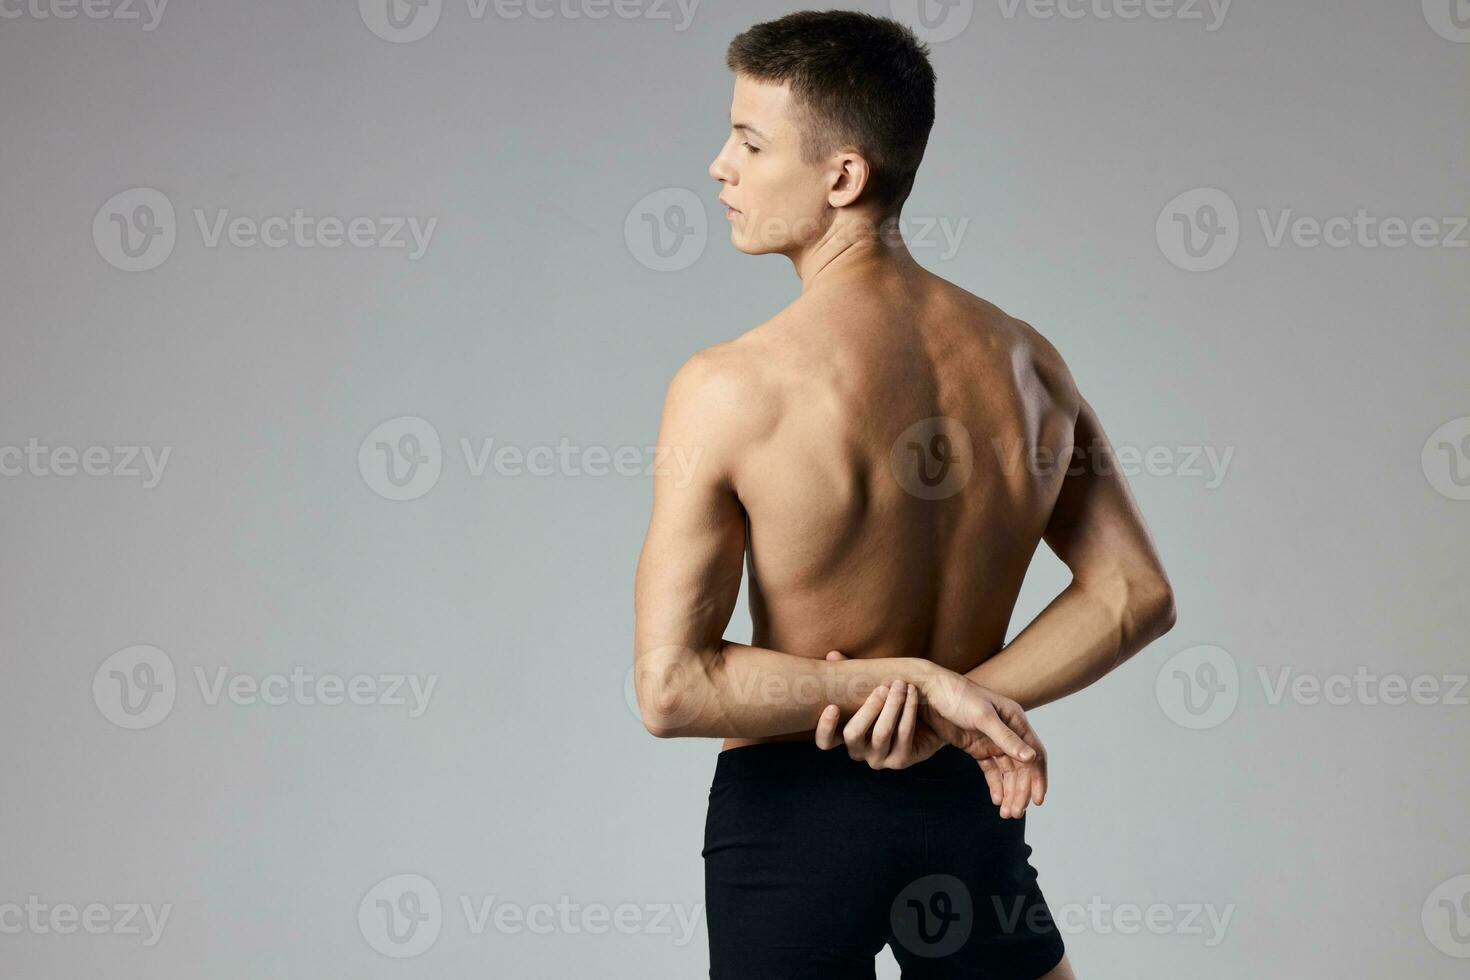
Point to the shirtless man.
(886, 454)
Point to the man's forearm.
(740, 691)
(1075, 641)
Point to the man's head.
(832, 110)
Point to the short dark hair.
(860, 80)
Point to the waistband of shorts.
(804, 757)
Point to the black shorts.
(813, 861)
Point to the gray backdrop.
(269, 461)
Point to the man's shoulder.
(1023, 343)
(1048, 365)
(727, 387)
(1043, 353)
(728, 369)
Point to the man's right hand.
(993, 730)
(987, 726)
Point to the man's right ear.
(850, 174)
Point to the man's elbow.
(1162, 611)
(663, 717)
(1150, 610)
(663, 680)
(659, 705)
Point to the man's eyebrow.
(750, 129)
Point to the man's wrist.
(852, 680)
(925, 675)
(928, 677)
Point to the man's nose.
(720, 170)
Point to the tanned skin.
(799, 429)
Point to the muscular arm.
(1119, 600)
(690, 681)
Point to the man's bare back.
(885, 455)
(892, 488)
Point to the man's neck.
(858, 245)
